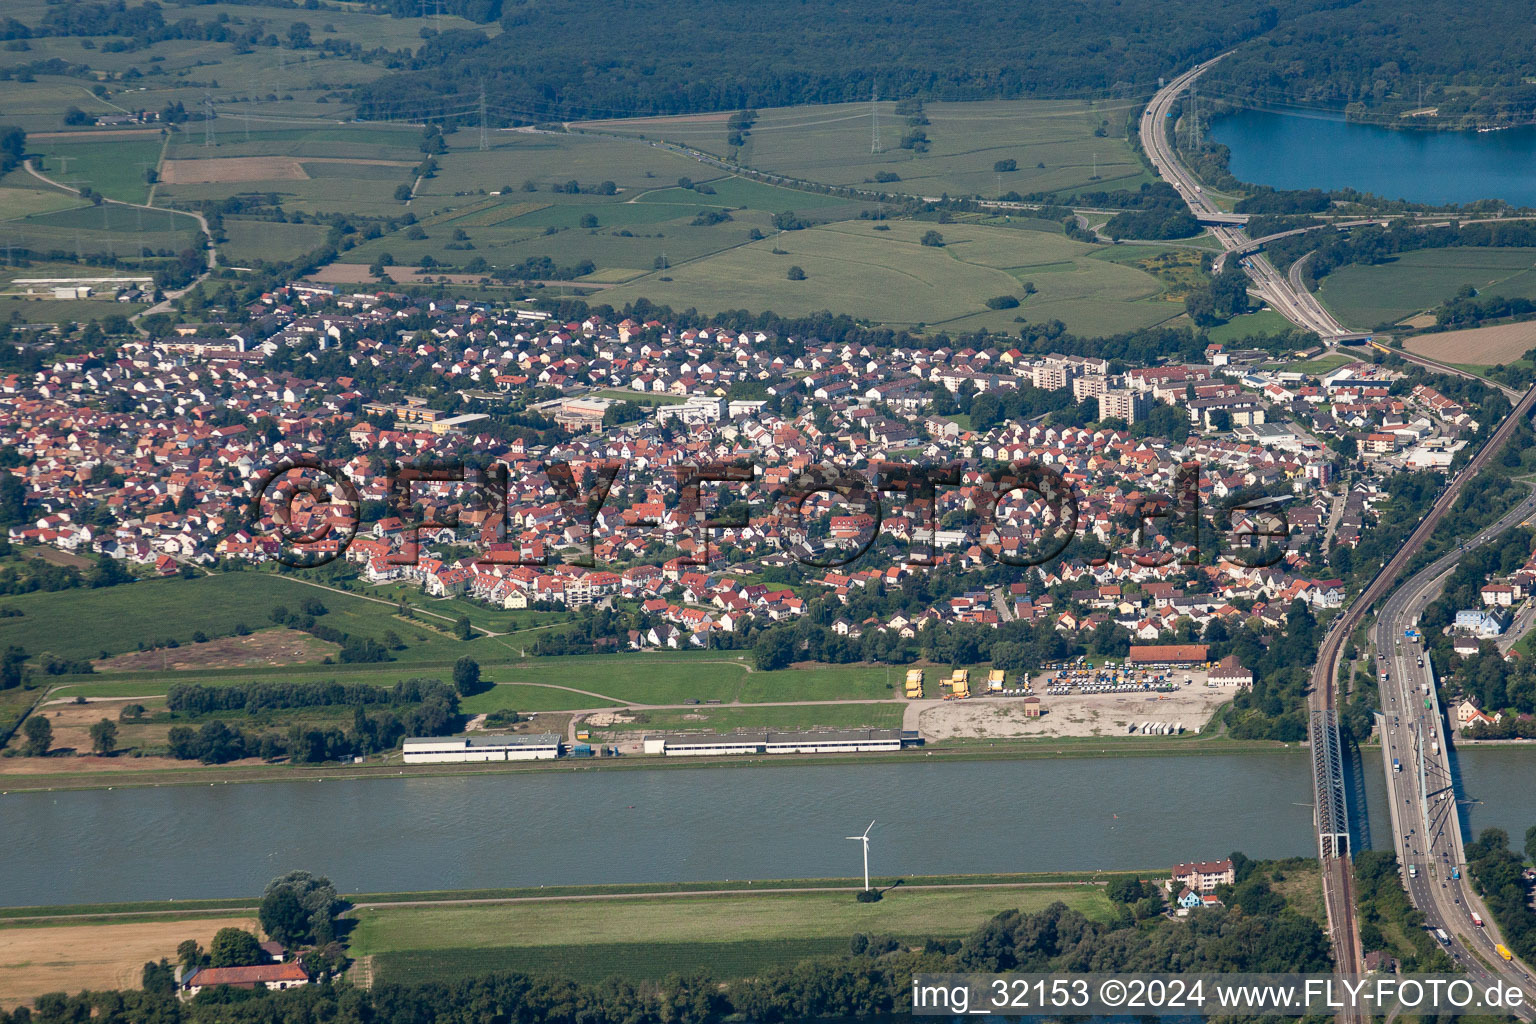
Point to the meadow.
(1262, 323)
(1052, 142)
(1387, 292)
(115, 167)
(888, 276)
(649, 936)
(90, 624)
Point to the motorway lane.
(1425, 821)
(1301, 308)
(1336, 871)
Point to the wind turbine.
(865, 840)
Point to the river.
(717, 822)
(1291, 151)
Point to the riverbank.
(577, 931)
(120, 774)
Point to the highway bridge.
(1337, 873)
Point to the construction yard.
(1073, 715)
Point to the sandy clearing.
(1481, 346)
(1095, 714)
(222, 169)
(267, 647)
(69, 958)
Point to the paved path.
(212, 250)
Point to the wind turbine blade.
(871, 825)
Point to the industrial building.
(484, 747)
(815, 742)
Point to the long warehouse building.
(815, 742)
(483, 747)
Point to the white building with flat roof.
(484, 747)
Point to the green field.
(726, 719)
(113, 167)
(263, 240)
(592, 962)
(889, 277)
(832, 144)
(1322, 364)
(649, 936)
(1384, 293)
(83, 624)
(125, 232)
(1261, 324)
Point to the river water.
(718, 822)
(1291, 151)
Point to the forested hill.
(562, 59)
(1473, 62)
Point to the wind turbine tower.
(865, 840)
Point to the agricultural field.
(1385, 293)
(114, 167)
(1052, 143)
(125, 232)
(94, 954)
(649, 220)
(267, 82)
(85, 623)
(1477, 346)
(107, 626)
(888, 276)
(250, 240)
(649, 936)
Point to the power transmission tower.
(484, 143)
(874, 119)
(208, 139)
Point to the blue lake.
(1292, 151)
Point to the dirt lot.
(1484, 346)
(266, 647)
(1091, 714)
(220, 169)
(68, 958)
(231, 168)
(56, 557)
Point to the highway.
(1337, 873)
(1426, 825)
(1299, 306)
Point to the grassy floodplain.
(650, 936)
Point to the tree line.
(1497, 871)
(736, 58)
(1254, 932)
(218, 742)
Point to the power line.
(484, 143)
(874, 119)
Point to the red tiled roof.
(265, 973)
